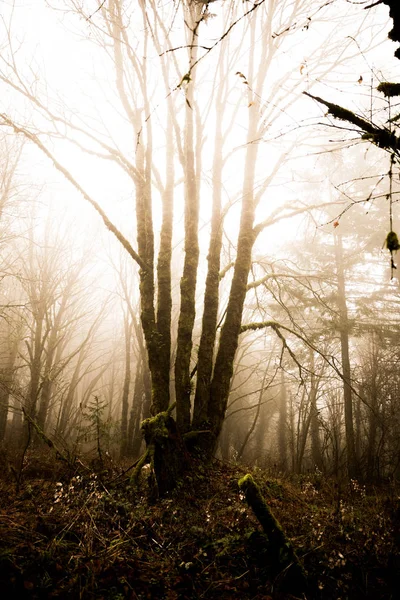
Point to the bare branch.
(110, 226)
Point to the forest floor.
(95, 535)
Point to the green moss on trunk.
(283, 557)
(169, 457)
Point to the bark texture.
(169, 458)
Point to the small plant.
(97, 428)
(357, 488)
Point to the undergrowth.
(86, 534)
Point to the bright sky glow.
(67, 62)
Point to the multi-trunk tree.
(165, 93)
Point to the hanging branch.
(380, 136)
(383, 138)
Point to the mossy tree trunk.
(211, 294)
(283, 558)
(155, 323)
(192, 12)
(229, 338)
(155, 302)
(6, 381)
(168, 454)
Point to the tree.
(10, 323)
(179, 58)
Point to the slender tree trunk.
(133, 432)
(225, 442)
(229, 338)
(211, 294)
(292, 439)
(15, 434)
(315, 436)
(6, 381)
(189, 277)
(255, 420)
(125, 390)
(164, 298)
(35, 349)
(261, 435)
(352, 466)
(371, 469)
(282, 426)
(358, 432)
(303, 428)
(53, 356)
(68, 400)
(6, 378)
(156, 343)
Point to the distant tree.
(11, 327)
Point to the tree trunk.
(282, 426)
(211, 294)
(303, 427)
(315, 437)
(371, 468)
(35, 349)
(189, 277)
(6, 381)
(280, 551)
(229, 338)
(169, 457)
(140, 408)
(352, 466)
(125, 390)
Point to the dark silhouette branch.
(379, 136)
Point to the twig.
(46, 439)
(96, 11)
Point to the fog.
(183, 229)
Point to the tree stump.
(284, 560)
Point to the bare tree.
(179, 58)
